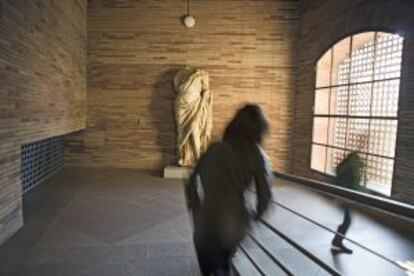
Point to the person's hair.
(248, 126)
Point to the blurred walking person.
(348, 175)
(216, 190)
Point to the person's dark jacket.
(216, 192)
(349, 171)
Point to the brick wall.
(42, 86)
(322, 23)
(134, 47)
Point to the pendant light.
(189, 20)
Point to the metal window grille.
(39, 160)
(356, 97)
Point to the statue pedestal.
(177, 172)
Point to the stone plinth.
(177, 172)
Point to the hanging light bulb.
(189, 20)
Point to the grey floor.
(102, 222)
(124, 222)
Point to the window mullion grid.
(361, 152)
(347, 117)
(329, 111)
(365, 168)
(358, 117)
(357, 83)
(348, 91)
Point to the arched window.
(356, 106)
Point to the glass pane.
(337, 132)
(341, 62)
(333, 158)
(382, 139)
(388, 56)
(322, 102)
(385, 98)
(318, 158)
(363, 48)
(364, 173)
(379, 174)
(339, 100)
(360, 99)
(323, 70)
(357, 134)
(320, 130)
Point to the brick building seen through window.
(356, 106)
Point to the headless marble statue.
(193, 114)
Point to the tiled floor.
(123, 222)
(102, 222)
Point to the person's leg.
(203, 258)
(223, 263)
(337, 242)
(347, 220)
(227, 261)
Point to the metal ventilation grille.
(40, 160)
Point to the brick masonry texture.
(134, 48)
(322, 23)
(255, 51)
(42, 86)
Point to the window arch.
(356, 106)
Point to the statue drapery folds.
(193, 114)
